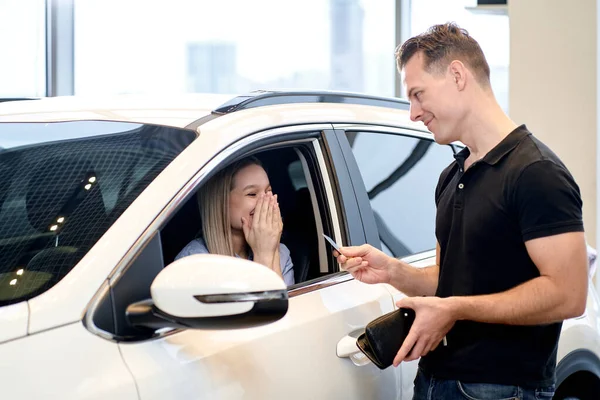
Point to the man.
(511, 255)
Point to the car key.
(332, 243)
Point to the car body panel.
(176, 111)
(583, 331)
(409, 368)
(201, 364)
(13, 320)
(66, 363)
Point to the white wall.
(553, 85)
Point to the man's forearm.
(415, 281)
(538, 301)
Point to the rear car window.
(62, 185)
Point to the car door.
(395, 194)
(310, 353)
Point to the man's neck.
(484, 128)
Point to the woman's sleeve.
(285, 262)
(196, 246)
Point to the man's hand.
(366, 263)
(434, 317)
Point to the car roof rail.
(5, 99)
(261, 98)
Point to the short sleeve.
(285, 262)
(547, 201)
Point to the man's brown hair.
(440, 45)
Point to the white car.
(98, 196)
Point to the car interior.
(300, 235)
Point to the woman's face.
(248, 183)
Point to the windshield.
(62, 185)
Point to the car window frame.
(273, 137)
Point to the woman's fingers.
(245, 228)
(258, 211)
(278, 219)
(268, 214)
(276, 213)
(273, 209)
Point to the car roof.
(192, 110)
(170, 110)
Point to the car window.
(289, 181)
(62, 185)
(400, 174)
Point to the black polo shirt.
(519, 191)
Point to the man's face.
(433, 99)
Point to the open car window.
(292, 174)
(295, 175)
(62, 185)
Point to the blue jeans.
(430, 388)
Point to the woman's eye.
(251, 194)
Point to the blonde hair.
(213, 200)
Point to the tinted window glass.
(62, 185)
(400, 174)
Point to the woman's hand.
(264, 233)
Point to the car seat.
(301, 236)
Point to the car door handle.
(347, 347)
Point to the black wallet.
(384, 336)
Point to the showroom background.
(543, 55)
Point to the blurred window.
(23, 48)
(233, 46)
(490, 30)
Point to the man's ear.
(458, 71)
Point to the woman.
(241, 218)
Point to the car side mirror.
(212, 292)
